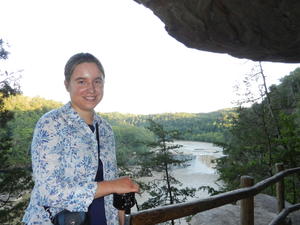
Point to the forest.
(264, 133)
(262, 130)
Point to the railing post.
(280, 188)
(247, 204)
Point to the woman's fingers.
(124, 185)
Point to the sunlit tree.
(14, 180)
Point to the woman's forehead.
(87, 70)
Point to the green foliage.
(166, 190)
(208, 127)
(23, 103)
(130, 146)
(26, 113)
(14, 186)
(13, 180)
(19, 115)
(264, 134)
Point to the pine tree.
(164, 156)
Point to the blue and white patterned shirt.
(65, 161)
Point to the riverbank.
(200, 171)
(192, 180)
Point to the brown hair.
(79, 58)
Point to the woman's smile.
(85, 87)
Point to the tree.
(206, 127)
(264, 133)
(130, 146)
(13, 180)
(26, 113)
(164, 157)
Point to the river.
(200, 171)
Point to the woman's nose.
(91, 88)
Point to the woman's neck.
(87, 116)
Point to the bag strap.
(98, 139)
(51, 217)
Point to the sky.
(147, 70)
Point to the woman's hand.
(124, 185)
(120, 186)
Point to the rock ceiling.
(260, 30)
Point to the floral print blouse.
(65, 161)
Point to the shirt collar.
(73, 116)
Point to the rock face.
(258, 30)
(264, 211)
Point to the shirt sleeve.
(50, 171)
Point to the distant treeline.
(207, 127)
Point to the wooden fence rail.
(284, 213)
(172, 212)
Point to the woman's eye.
(81, 82)
(99, 81)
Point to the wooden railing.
(246, 194)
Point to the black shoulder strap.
(47, 209)
(98, 138)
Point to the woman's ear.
(66, 85)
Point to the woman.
(67, 171)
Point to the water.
(203, 153)
(200, 171)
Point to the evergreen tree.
(164, 156)
(264, 133)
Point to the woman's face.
(85, 87)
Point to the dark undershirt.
(96, 211)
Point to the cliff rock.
(257, 30)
